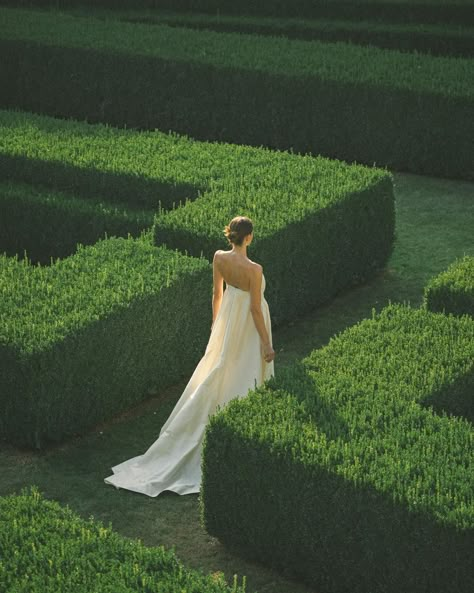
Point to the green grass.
(434, 226)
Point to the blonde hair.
(237, 229)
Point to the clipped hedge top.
(49, 549)
(275, 24)
(24, 192)
(41, 305)
(329, 61)
(271, 211)
(459, 277)
(355, 408)
(262, 182)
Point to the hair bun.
(238, 228)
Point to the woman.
(238, 357)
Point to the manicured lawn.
(434, 226)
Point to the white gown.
(232, 364)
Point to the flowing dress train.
(232, 364)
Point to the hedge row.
(308, 96)
(421, 11)
(433, 39)
(47, 548)
(333, 218)
(100, 163)
(313, 239)
(452, 291)
(90, 335)
(361, 458)
(47, 224)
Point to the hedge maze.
(353, 468)
(75, 170)
(246, 89)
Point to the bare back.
(236, 270)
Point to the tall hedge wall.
(332, 224)
(354, 469)
(437, 39)
(47, 224)
(313, 239)
(406, 111)
(452, 291)
(47, 548)
(440, 11)
(89, 336)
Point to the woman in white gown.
(238, 357)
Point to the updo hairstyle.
(237, 229)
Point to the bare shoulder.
(256, 269)
(256, 273)
(218, 254)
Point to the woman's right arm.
(256, 310)
(217, 287)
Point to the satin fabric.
(232, 364)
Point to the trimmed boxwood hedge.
(320, 226)
(423, 11)
(48, 224)
(433, 39)
(47, 548)
(308, 96)
(337, 220)
(141, 171)
(347, 469)
(89, 336)
(452, 291)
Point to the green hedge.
(47, 548)
(345, 213)
(452, 291)
(362, 457)
(140, 171)
(423, 11)
(90, 335)
(47, 224)
(280, 93)
(320, 226)
(433, 39)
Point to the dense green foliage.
(336, 218)
(441, 11)
(452, 291)
(48, 224)
(320, 226)
(141, 171)
(47, 548)
(280, 93)
(433, 39)
(364, 482)
(89, 336)
(352, 469)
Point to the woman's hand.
(268, 352)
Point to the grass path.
(435, 219)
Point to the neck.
(240, 249)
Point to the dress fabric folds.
(232, 364)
